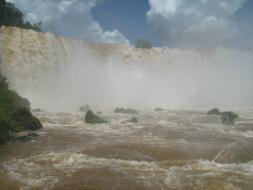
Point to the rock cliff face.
(28, 57)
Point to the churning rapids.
(164, 150)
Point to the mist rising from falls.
(58, 73)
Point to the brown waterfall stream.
(164, 150)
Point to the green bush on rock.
(90, 117)
(142, 43)
(133, 120)
(15, 113)
(228, 117)
(24, 118)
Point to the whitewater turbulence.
(58, 73)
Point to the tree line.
(12, 16)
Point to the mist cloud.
(196, 23)
(71, 18)
(221, 79)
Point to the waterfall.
(51, 71)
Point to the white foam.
(177, 174)
(44, 170)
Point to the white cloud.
(195, 23)
(72, 18)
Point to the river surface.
(170, 150)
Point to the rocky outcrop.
(159, 109)
(227, 117)
(133, 120)
(214, 111)
(15, 115)
(24, 118)
(25, 136)
(92, 118)
(126, 110)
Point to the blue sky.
(128, 16)
(171, 23)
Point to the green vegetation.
(142, 43)
(11, 16)
(15, 113)
(227, 117)
(90, 117)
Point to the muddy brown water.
(164, 150)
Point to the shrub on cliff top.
(142, 43)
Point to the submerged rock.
(126, 110)
(84, 108)
(90, 117)
(214, 111)
(38, 110)
(228, 117)
(159, 109)
(23, 138)
(133, 120)
(24, 118)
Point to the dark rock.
(38, 110)
(23, 138)
(159, 109)
(119, 110)
(33, 135)
(133, 120)
(84, 108)
(228, 117)
(4, 134)
(25, 103)
(24, 118)
(126, 111)
(90, 117)
(214, 111)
